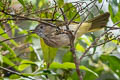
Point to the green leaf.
(27, 62)
(28, 74)
(7, 37)
(70, 11)
(49, 53)
(68, 65)
(7, 47)
(75, 76)
(89, 70)
(9, 1)
(1, 57)
(1, 4)
(115, 14)
(67, 57)
(24, 64)
(55, 65)
(32, 74)
(99, 1)
(80, 47)
(114, 6)
(43, 3)
(14, 76)
(13, 27)
(113, 62)
(22, 2)
(89, 76)
(60, 3)
(9, 62)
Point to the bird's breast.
(60, 40)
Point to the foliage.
(24, 55)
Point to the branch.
(65, 19)
(106, 41)
(96, 40)
(79, 11)
(26, 18)
(83, 20)
(16, 73)
(7, 30)
(72, 48)
(12, 38)
(55, 10)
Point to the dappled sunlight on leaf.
(49, 53)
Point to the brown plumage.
(52, 39)
(100, 20)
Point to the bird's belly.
(84, 27)
(56, 41)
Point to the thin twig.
(79, 11)
(66, 11)
(16, 73)
(103, 44)
(6, 31)
(72, 48)
(40, 11)
(13, 38)
(55, 10)
(102, 5)
(106, 41)
(65, 19)
(83, 20)
(32, 19)
(96, 40)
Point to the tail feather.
(99, 22)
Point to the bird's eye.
(41, 27)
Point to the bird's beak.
(31, 31)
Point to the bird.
(53, 38)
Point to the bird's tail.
(98, 22)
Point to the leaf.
(113, 62)
(70, 11)
(9, 1)
(60, 3)
(99, 1)
(9, 62)
(89, 70)
(1, 5)
(75, 76)
(1, 57)
(89, 76)
(49, 53)
(27, 62)
(14, 76)
(7, 37)
(37, 74)
(24, 64)
(55, 65)
(80, 48)
(115, 13)
(68, 65)
(85, 40)
(43, 3)
(114, 6)
(7, 47)
(13, 27)
(22, 2)
(67, 57)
